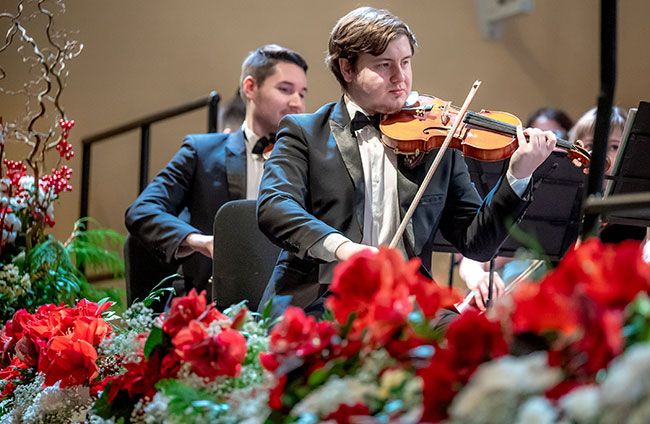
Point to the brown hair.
(260, 63)
(551, 113)
(586, 125)
(364, 30)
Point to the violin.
(423, 124)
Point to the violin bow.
(525, 275)
(436, 162)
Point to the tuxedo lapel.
(349, 149)
(406, 190)
(236, 165)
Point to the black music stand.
(631, 173)
(552, 218)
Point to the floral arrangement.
(574, 347)
(36, 269)
(69, 364)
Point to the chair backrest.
(143, 271)
(243, 257)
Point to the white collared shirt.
(381, 215)
(254, 163)
(381, 201)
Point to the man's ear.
(347, 69)
(248, 87)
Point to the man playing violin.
(332, 189)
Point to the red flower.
(222, 354)
(540, 309)
(275, 395)
(355, 284)
(11, 375)
(611, 275)
(299, 334)
(29, 348)
(93, 330)
(195, 332)
(430, 297)
(582, 301)
(68, 360)
(345, 413)
(139, 379)
(473, 339)
(377, 288)
(439, 386)
(87, 308)
(187, 308)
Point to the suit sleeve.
(477, 229)
(154, 216)
(284, 198)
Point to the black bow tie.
(360, 120)
(261, 144)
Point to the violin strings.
(476, 119)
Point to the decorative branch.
(30, 32)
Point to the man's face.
(381, 84)
(281, 93)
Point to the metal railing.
(144, 124)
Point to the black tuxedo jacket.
(313, 185)
(208, 171)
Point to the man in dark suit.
(174, 215)
(331, 189)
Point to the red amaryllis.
(473, 339)
(440, 383)
(611, 275)
(194, 332)
(300, 335)
(219, 355)
(187, 308)
(376, 287)
(10, 375)
(139, 379)
(71, 361)
(540, 309)
(91, 329)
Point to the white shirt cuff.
(517, 185)
(325, 248)
(183, 249)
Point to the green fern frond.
(97, 249)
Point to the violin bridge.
(444, 117)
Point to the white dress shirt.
(254, 163)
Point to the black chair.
(143, 271)
(243, 257)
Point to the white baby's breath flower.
(536, 410)
(582, 405)
(156, 410)
(328, 397)
(628, 378)
(625, 393)
(498, 388)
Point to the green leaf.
(318, 377)
(120, 408)
(156, 338)
(159, 290)
(186, 401)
